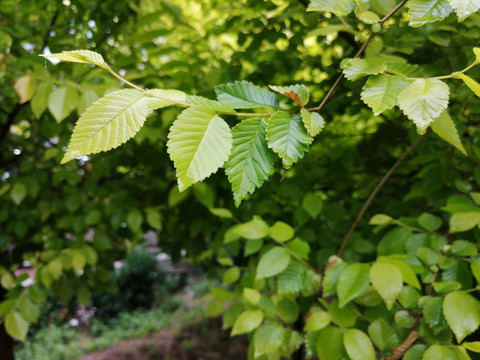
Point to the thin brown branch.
(399, 351)
(375, 192)
(357, 55)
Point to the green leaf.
(404, 69)
(230, 315)
(231, 275)
(251, 230)
(463, 248)
(475, 267)
(80, 56)
(464, 8)
(87, 98)
(245, 95)
(352, 282)
(25, 88)
(62, 102)
(317, 320)
(84, 296)
(332, 275)
(441, 352)
(312, 121)
(415, 352)
(383, 335)
(433, 314)
(358, 345)
(472, 346)
(39, 101)
(463, 221)
(281, 231)
(18, 193)
(135, 220)
(446, 129)
(273, 262)
(380, 219)
(214, 308)
(298, 93)
(299, 248)
(247, 321)
(429, 221)
(108, 123)
(356, 68)
(287, 137)
(78, 261)
(292, 279)
(287, 310)
(55, 268)
(159, 98)
(476, 51)
(200, 101)
(387, 280)
(462, 312)
(154, 218)
(29, 310)
(312, 204)
(16, 326)
(329, 344)
(221, 213)
(199, 143)
(426, 11)
(251, 161)
(268, 338)
(380, 92)
(472, 84)
(408, 274)
(339, 8)
(423, 101)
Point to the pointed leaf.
(462, 312)
(62, 102)
(298, 93)
(287, 137)
(332, 275)
(317, 320)
(380, 92)
(40, 99)
(273, 262)
(472, 84)
(408, 274)
(476, 51)
(383, 335)
(199, 143)
(245, 95)
(25, 88)
(18, 193)
(200, 101)
(339, 8)
(433, 314)
(352, 282)
(404, 69)
(427, 11)
(108, 123)
(281, 231)
(80, 56)
(16, 326)
(358, 345)
(463, 221)
(464, 8)
(329, 344)
(292, 279)
(287, 310)
(247, 321)
(423, 101)
(387, 280)
(268, 338)
(475, 267)
(356, 68)
(472, 346)
(251, 161)
(313, 122)
(160, 98)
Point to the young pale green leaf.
(80, 56)
(292, 279)
(231, 275)
(199, 143)
(463, 248)
(313, 121)
(329, 344)
(358, 345)
(245, 95)
(273, 262)
(200, 101)
(251, 161)
(108, 123)
(87, 98)
(472, 346)
(404, 69)
(427, 11)
(39, 101)
(247, 321)
(380, 219)
(380, 92)
(387, 280)
(442, 352)
(475, 267)
(463, 221)
(287, 137)
(352, 282)
(464, 8)
(472, 84)
(356, 68)
(298, 93)
(16, 326)
(25, 88)
(253, 296)
(230, 315)
(268, 338)
(160, 98)
(299, 248)
(408, 274)
(62, 102)
(317, 320)
(383, 335)
(476, 51)
(281, 231)
(339, 8)
(423, 101)
(462, 312)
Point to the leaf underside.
(245, 95)
(427, 11)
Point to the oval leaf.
(358, 345)
(462, 312)
(273, 262)
(387, 280)
(247, 321)
(352, 282)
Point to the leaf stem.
(298, 257)
(375, 192)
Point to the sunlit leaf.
(464, 8)
(387, 280)
(80, 56)
(62, 102)
(358, 345)
(313, 122)
(426, 11)
(462, 312)
(352, 282)
(298, 93)
(380, 92)
(244, 95)
(356, 68)
(339, 8)
(247, 321)
(273, 262)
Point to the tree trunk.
(6, 341)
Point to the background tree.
(70, 222)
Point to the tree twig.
(375, 192)
(399, 351)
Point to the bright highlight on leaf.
(273, 262)
(156, 103)
(464, 8)
(251, 161)
(298, 93)
(288, 137)
(462, 312)
(387, 281)
(380, 92)
(352, 282)
(356, 68)
(199, 143)
(472, 84)
(245, 95)
(108, 123)
(427, 11)
(339, 8)
(313, 122)
(423, 101)
(81, 56)
(358, 345)
(446, 129)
